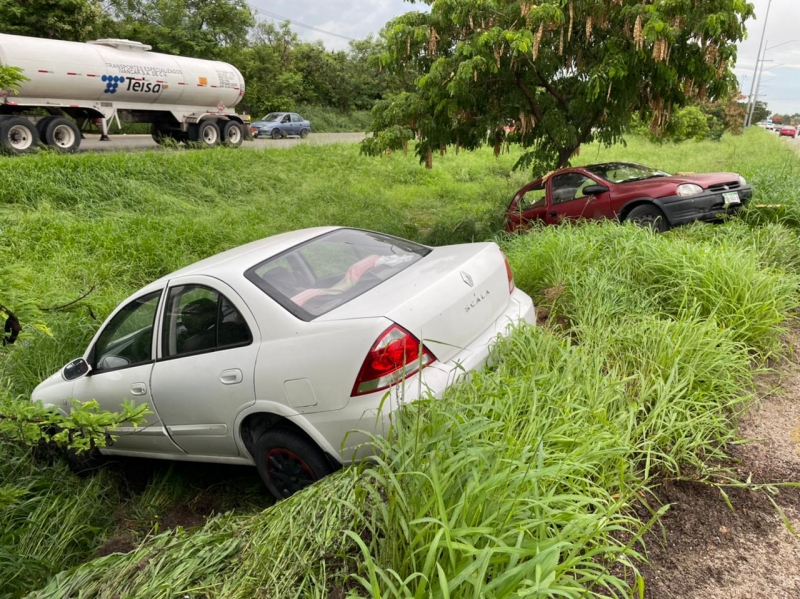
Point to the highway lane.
(92, 143)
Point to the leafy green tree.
(11, 78)
(760, 111)
(688, 123)
(83, 429)
(198, 28)
(72, 20)
(568, 71)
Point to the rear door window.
(315, 277)
(199, 319)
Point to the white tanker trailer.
(184, 99)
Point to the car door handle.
(231, 377)
(138, 388)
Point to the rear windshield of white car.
(328, 271)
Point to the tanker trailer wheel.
(233, 134)
(63, 135)
(206, 133)
(41, 126)
(18, 136)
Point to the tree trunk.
(564, 154)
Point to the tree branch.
(537, 113)
(590, 125)
(552, 91)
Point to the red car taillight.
(510, 274)
(396, 354)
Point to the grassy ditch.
(521, 480)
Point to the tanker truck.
(115, 80)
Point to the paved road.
(92, 143)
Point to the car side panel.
(324, 357)
(198, 396)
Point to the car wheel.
(304, 133)
(288, 461)
(650, 217)
(276, 134)
(18, 136)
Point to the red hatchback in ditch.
(627, 192)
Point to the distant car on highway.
(627, 192)
(281, 124)
(788, 132)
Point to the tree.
(198, 28)
(569, 71)
(760, 112)
(11, 78)
(72, 20)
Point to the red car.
(627, 192)
(788, 132)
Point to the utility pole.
(752, 102)
(749, 120)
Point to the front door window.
(569, 187)
(128, 339)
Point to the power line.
(273, 15)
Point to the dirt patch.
(708, 550)
(117, 544)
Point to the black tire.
(288, 461)
(650, 217)
(41, 126)
(205, 133)
(63, 135)
(276, 133)
(233, 134)
(304, 133)
(18, 135)
(84, 464)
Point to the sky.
(780, 83)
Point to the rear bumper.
(347, 430)
(708, 206)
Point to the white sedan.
(272, 352)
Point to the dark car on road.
(627, 192)
(281, 124)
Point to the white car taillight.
(510, 274)
(397, 354)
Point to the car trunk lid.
(446, 299)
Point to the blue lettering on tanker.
(134, 85)
(112, 83)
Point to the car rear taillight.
(510, 274)
(397, 354)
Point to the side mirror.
(75, 369)
(593, 190)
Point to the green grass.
(521, 479)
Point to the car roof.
(239, 259)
